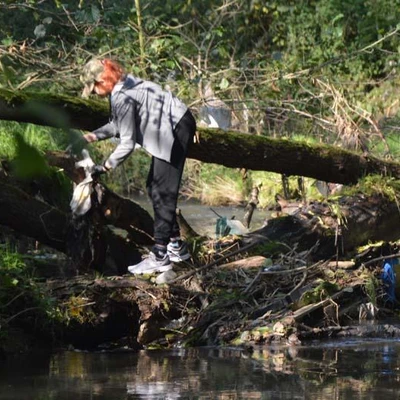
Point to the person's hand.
(90, 137)
(98, 170)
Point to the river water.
(340, 370)
(334, 370)
(203, 218)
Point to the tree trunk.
(337, 228)
(374, 218)
(357, 220)
(87, 240)
(325, 163)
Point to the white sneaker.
(178, 254)
(151, 264)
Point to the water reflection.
(346, 370)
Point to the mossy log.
(51, 109)
(115, 210)
(231, 149)
(358, 220)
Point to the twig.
(12, 300)
(252, 282)
(374, 260)
(291, 271)
(21, 312)
(300, 284)
(148, 293)
(209, 265)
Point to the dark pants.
(164, 180)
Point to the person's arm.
(105, 132)
(125, 123)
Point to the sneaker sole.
(153, 270)
(179, 258)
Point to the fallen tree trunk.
(321, 162)
(116, 210)
(52, 110)
(356, 221)
(90, 244)
(372, 219)
(338, 227)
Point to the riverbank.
(231, 296)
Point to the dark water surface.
(337, 370)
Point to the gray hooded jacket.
(141, 112)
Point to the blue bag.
(388, 277)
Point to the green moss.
(321, 292)
(268, 249)
(263, 329)
(376, 184)
(18, 98)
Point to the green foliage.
(25, 145)
(214, 184)
(319, 293)
(371, 289)
(269, 249)
(130, 178)
(312, 69)
(28, 162)
(373, 184)
(23, 302)
(12, 267)
(29, 136)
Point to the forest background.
(315, 71)
(322, 71)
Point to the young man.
(142, 112)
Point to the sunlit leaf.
(224, 84)
(40, 31)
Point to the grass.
(32, 134)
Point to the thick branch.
(52, 110)
(232, 149)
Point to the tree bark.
(32, 217)
(325, 163)
(52, 110)
(374, 218)
(338, 228)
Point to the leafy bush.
(21, 298)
